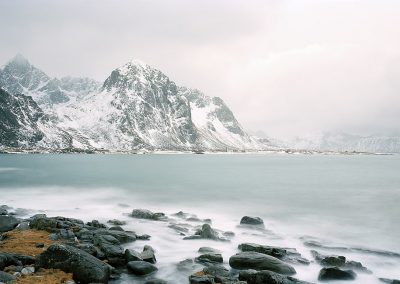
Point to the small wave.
(8, 169)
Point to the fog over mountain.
(286, 68)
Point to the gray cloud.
(284, 67)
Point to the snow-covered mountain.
(137, 107)
(342, 142)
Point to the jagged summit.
(20, 60)
(137, 107)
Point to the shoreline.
(106, 247)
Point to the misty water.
(349, 201)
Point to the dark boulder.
(208, 250)
(141, 267)
(8, 223)
(7, 259)
(147, 214)
(148, 254)
(390, 281)
(206, 232)
(6, 277)
(132, 255)
(259, 261)
(84, 267)
(111, 247)
(210, 258)
(116, 228)
(43, 223)
(284, 254)
(247, 220)
(155, 281)
(121, 236)
(96, 224)
(116, 222)
(265, 276)
(335, 273)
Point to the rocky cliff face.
(137, 107)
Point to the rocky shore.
(43, 249)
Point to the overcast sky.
(283, 67)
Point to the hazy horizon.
(286, 68)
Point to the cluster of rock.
(94, 253)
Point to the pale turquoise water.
(347, 199)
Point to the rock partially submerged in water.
(206, 232)
(285, 254)
(248, 220)
(140, 267)
(390, 281)
(214, 274)
(85, 267)
(148, 254)
(147, 214)
(208, 250)
(260, 261)
(338, 261)
(210, 258)
(8, 223)
(116, 222)
(335, 273)
(266, 276)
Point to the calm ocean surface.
(337, 199)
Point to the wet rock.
(96, 224)
(265, 276)
(229, 234)
(181, 214)
(28, 270)
(390, 281)
(214, 274)
(91, 249)
(147, 214)
(179, 229)
(7, 259)
(335, 273)
(141, 267)
(188, 265)
(3, 210)
(43, 223)
(66, 234)
(317, 244)
(148, 254)
(285, 254)
(338, 261)
(206, 232)
(132, 255)
(116, 228)
(144, 237)
(23, 226)
(6, 277)
(8, 223)
(247, 220)
(112, 249)
(210, 258)
(208, 250)
(85, 267)
(155, 281)
(121, 236)
(116, 222)
(259, 261)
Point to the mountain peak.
(20, 60)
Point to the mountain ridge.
(136, 107)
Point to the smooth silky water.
(343, 200)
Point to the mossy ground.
(25, 243)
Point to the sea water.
(350, 201)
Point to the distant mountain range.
(137, 107)
(342, 142)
